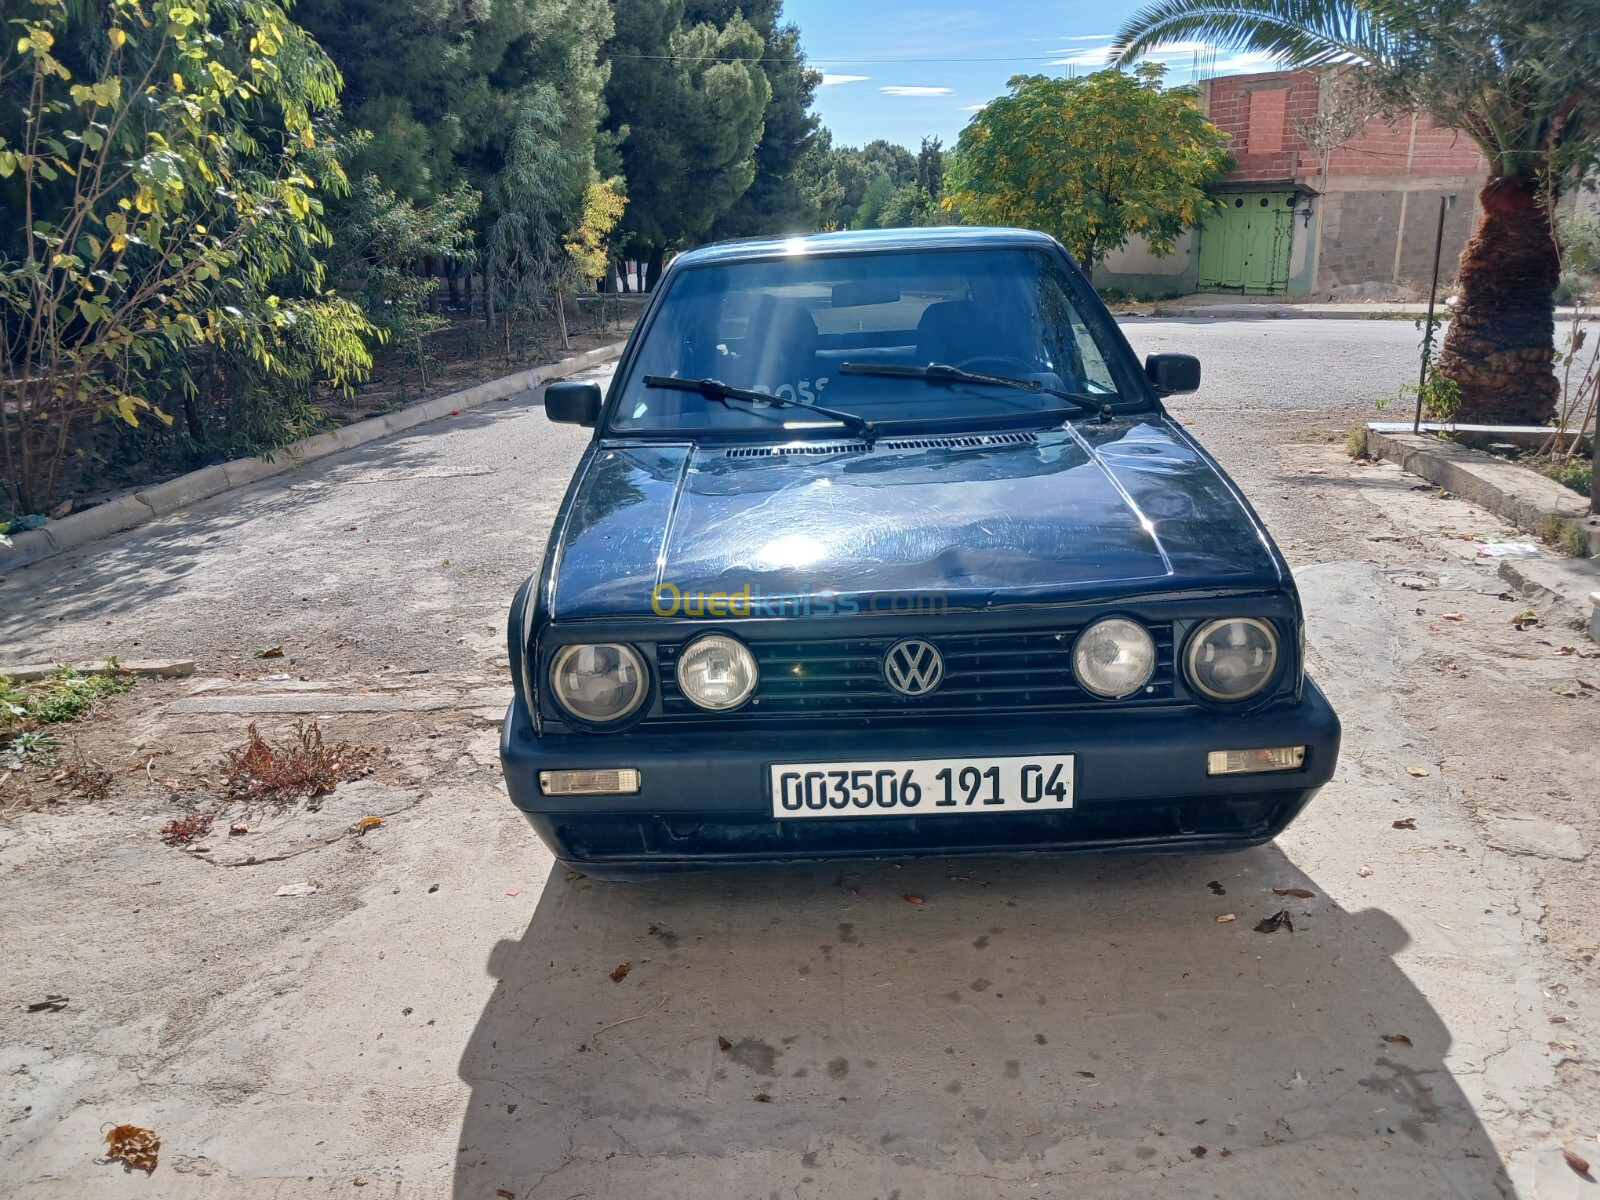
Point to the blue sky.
(904, 71)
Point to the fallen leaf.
(1226, 1154)
(513, 892)
(1576, 1161)
(133, 1145)
(1501, 778)
(1226, 917)
(910, 899)
(1417, 772)
(1406, 823)
(1086, 1074)
(1298, 893)
(50, 1003)
(361, 827)
(407, 1011)
(505, 1194)
(271, 652)
(621, 972)
(724, 1044)
(1452, 616)
(1198, 1151)
(1398, 1039)
(238, 830)
(1278, 920)
(762, 1098)
(1217, 889)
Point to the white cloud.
(1098, 56)
(835, 80)
(917, 91)
(976, 107)
(1176, 54)
(1087, 37)
(1247, 63)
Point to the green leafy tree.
(531, 207)
(880, 191)
(1519, 77)
(381, 246)
(783, 197)
(440, 84)
(162, 165)
(687, 113)
(1093, 161)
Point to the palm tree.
(1519, 77)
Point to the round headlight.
(599, 683)
(1232, 659)
(717, 672)
(1114, 658)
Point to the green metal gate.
(1245, 248)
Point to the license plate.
(922, 787)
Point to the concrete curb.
(162, 499)
(1522, 497)
(165, 668)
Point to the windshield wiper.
(940, 373)
(715, 389)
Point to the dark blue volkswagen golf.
(885, 545)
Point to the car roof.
(864, 241)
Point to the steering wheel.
(1008, 364)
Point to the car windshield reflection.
(787, 328)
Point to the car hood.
(1101, 509)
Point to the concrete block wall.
(1362, 229)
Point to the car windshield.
(789, 327)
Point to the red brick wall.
(1384, 149)
(1268, 147)
(1290, 96)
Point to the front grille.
(983, 673)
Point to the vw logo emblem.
(913, 667)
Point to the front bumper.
(1141, 785)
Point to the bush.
(64, 696)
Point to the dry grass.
(301, 766)
(83, 777)
(1355, 441)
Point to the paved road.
(390, 554)
(1078, 1028)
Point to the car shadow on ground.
(959, 1027)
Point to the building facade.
(1324, 201)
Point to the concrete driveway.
(1055, 1028)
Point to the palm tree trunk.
(1501, 348)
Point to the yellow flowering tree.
(1092, 161)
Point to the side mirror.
(1173, 374)
(573, 402)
